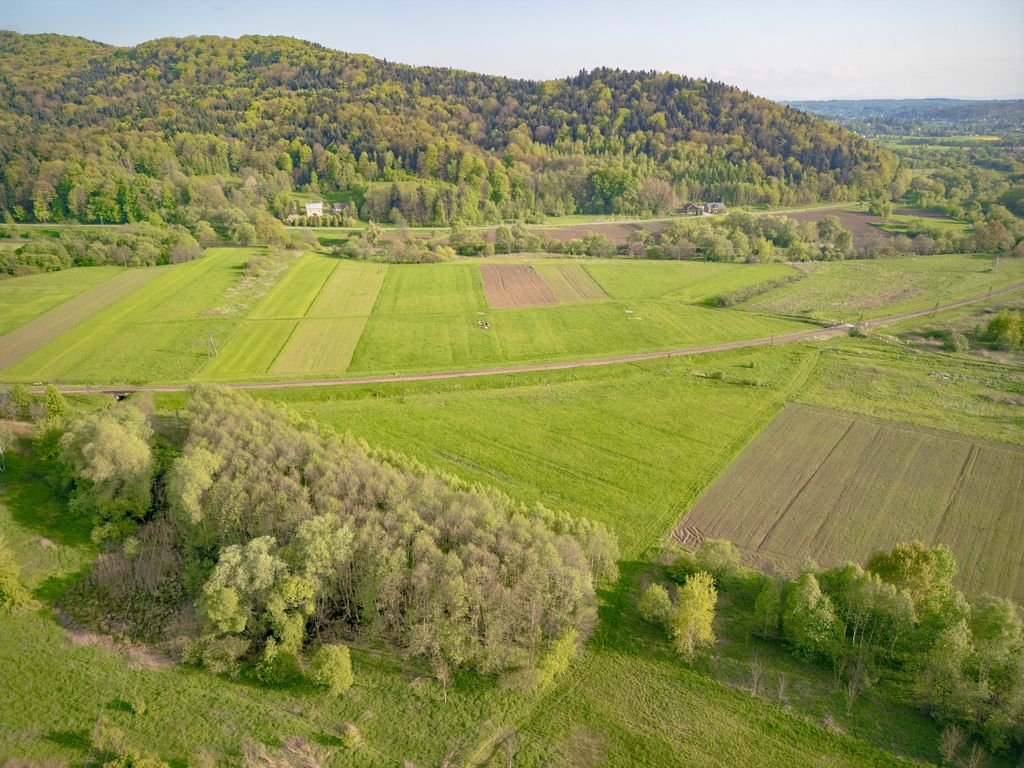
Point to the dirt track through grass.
(834, 486)
(34, 334)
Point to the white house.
(315, 209)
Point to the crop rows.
(833, 486)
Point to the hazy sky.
(783, 49)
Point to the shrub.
(809, 621)
(655, 605)
(350, 736)
(12, 592)
(331, 667)
(956, 342)
(719, 558)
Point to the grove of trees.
(900, 615)
(282, 537)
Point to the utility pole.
(211, 346)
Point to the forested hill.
(97, 133)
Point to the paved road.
(815, 334)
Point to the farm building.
(315, 209)
(699, 209)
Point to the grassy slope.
(847, 290)
(25, 298)
(628, 694)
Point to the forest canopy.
(204, 129)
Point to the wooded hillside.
(207, 128)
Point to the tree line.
(900, 614)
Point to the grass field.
(333, 299)
(969, 397)
(297, 290)
(680, 281)
(38, 331)
(156, 332)
(627, 445)
(25, 298)
(910, 225)
(848, 290)
(835, 486)
(426, 318)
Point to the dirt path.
(815, 334)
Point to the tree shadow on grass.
(79, 739)
(30, 490)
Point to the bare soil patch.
(515, 285)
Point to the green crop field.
(835, 486)
(159, 331)
(298, 289)
(251, 350)
(319, 346)
(333, 306)
(848, 290)
(427, 316)
(350, 291)
(66, 315)
(25, 298)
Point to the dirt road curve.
(815, 334)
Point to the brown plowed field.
(515, 285)
(836, 486)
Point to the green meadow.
(25, 298)
(849, 290)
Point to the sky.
(781, 49)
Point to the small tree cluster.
(689, 619)
(108, 461)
